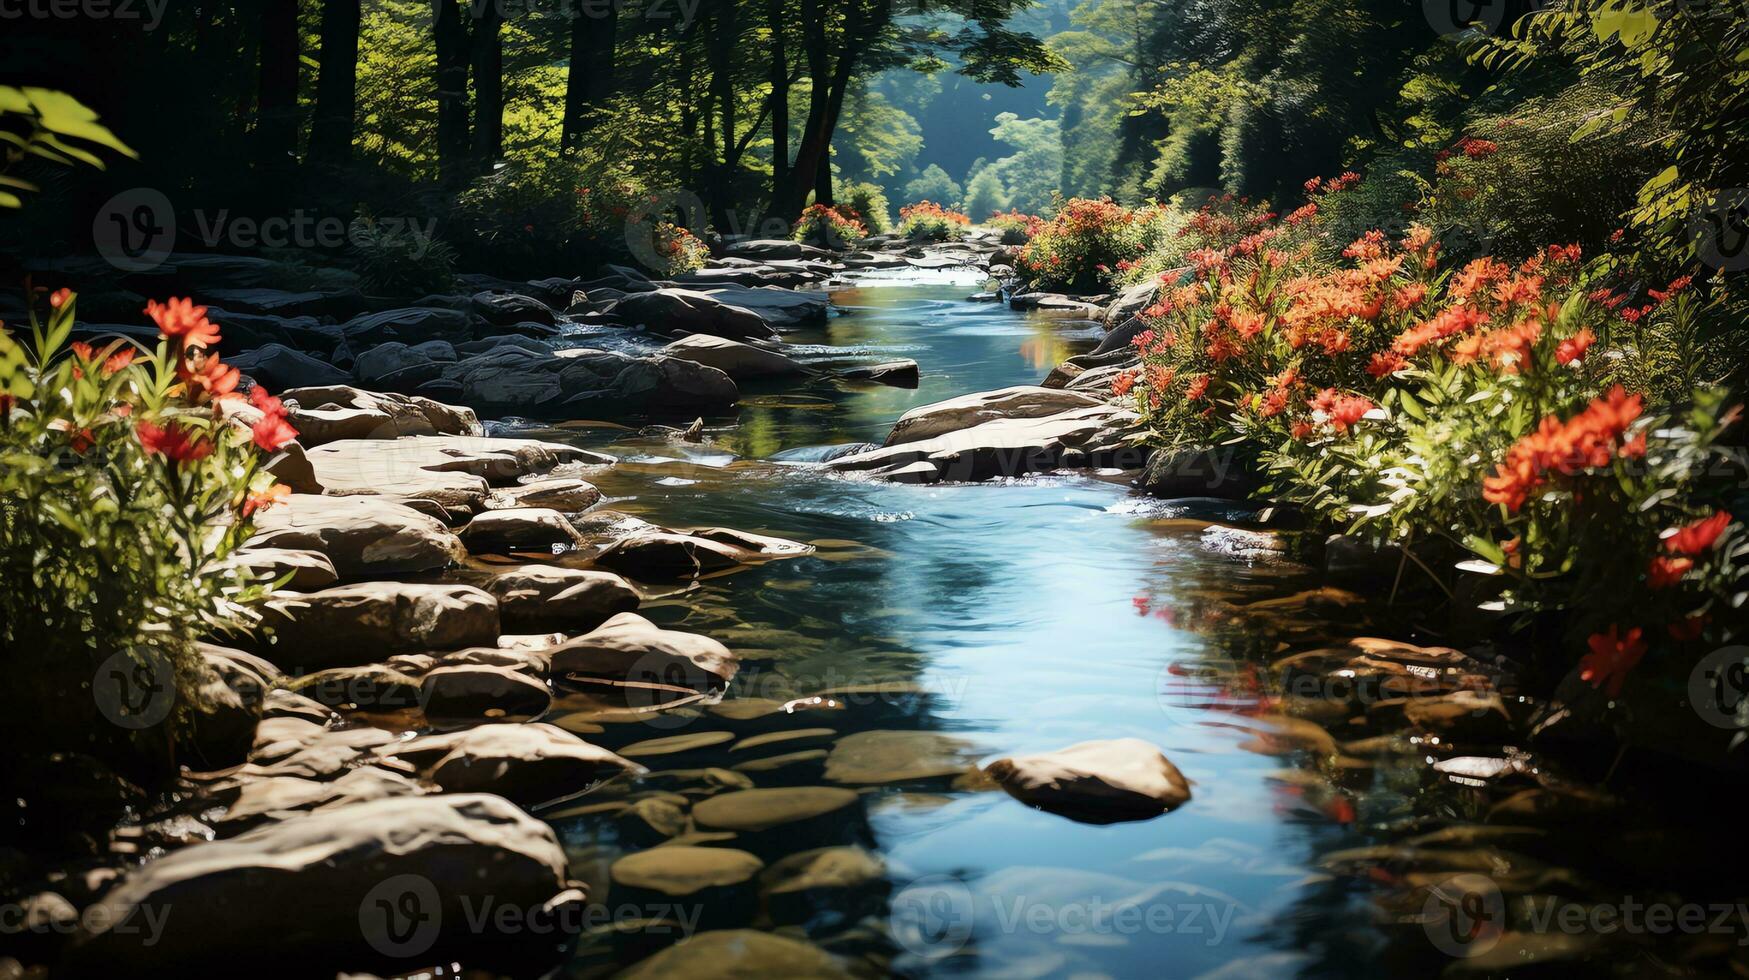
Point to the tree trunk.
(451, 39)
(779, 106)
(488, 50)
(336, 83)
(276, 123)
(590, 79)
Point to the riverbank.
(888, 641)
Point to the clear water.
(1014, 616)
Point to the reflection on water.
(1010, 617)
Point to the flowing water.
(988, 619)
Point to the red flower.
(1612, 656)
(1663, 572)
(261, 501)
(1122, 382)
(1302, 429)
(1588, 440)
(1385, 363)
(1197, 387)
(1574, 347)
(259, 397)
(1687, 630)
(59, 298)
(82, 350)
(180, 319)
(173, 441)
(120, 359)
(207, 378)
(273, 432)
(1698, 538)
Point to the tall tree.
(451, 37)
(488, 60)
(336, 83)
(276, 123)
(775, 16)
(590, 80)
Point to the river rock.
(371, 687)
(1008, 447)
(356, 624)
(562, 494)
(587, 382)
(283, 797)
(901, 373)
(1095, 782)
(527, 763)
(398, 367)
(519, 529)
(536, 598)
(309, 570)
(328, 414)
(735, 359)
(824, 867)
(722, 954)
(1200, 472)
(453, 472)
(780, 308)
(630, 648)
(764, 809)
(314, 891)
(279, 367)
(954, 414)
(686, 311)
(679, 871)
(650, 553)
(507, 308)
(875, 757)
(766, 249)
(478, 691)
(410, 325)
(359, 535)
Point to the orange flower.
(120, 359)
(273, 432)
(1122, 382)
(1698, 538)
(1612, 656)
(206, 378)
(181, 320)
(59, 298)
(1574, 347)
(1197, 388)
(1588, 440)
(173, 441)
(267, 498)
(1386, 363)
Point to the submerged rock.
(874, 757)
(763, 809)
(739, 953)
(1095, 782)
(678, 870)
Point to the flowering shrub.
(827, 227)
(1466, 416)
(929, 222)
(1016, 228)
(128, 477)
(866, 202)
(1089, 245)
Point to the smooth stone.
(901, 373)
(790, 735)
(679, 870)
(823, 867)
(738, 954)
(359, 535)
(1095, 782)
(1008, 447)
(763, 809)
(456, 472)
(474, 690)
(536, 598)
(281, 797)
(378, 687)
(630, 648)
(686, 311)
(279, 367)
(675, 743)
(519, 529)
(735, 359)
(558, 493)
(526, 763)
(355, 624)
(965, 411)
(309, 570)
(328, 414)
(774, 762)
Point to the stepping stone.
(874, 757)
(357, 624)
(477, 691)
(1095, 782)
(360, 536)
(725, 954)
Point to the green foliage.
(826, 227)
(934, 185)
(867, 202)
(399, 262)
(985, 194)
(1088, 244)
(47, 125)
(927, 221)
(1031, 175)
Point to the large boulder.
(329, 414)
(965, 411)
(686, 311)
(1095, 782)
(539, 598)
(454, 472)
(766, 249)
(360, 536)
(245, 331)
(374, 886)
(519, 529)
(1092, 436)
(501, 307)
(398, 367)
(630, 648)
(781, 309)
(357, 624)
(412, 325)
(480, 691)
(279, 367)
(564, 494)
(588, 383)
(735, 359)
(528, 763)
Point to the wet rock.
(281, 703)
(279, 367)
(773, 763)
(1057, 304)
(901, 373)
(328, 414)
(282, 797)
(965, 411)
(685, 311)
(679, 871)
(308, 570)
(356, 624)
(454, 472)
(1369, 669)
(1200, 473)
(562, 494)
(295, 747)
(370, 687)
(649, 553)
(874, 757)
(735, 953)
(538, 597)
(786, 737)
(526, 763)
(519, 529)
(303, 888)
(480, 691)
(1007, 447)
(1095, 782)
(764, 809)
(737, 360)
(410, 325)
(824, 867)
(585, 382)
(359, 535)
(1468, 715)
(397, 367)
(630, 648)
(503, 307)
(780, 308)
(673, 744)
(650, 821)
(1133, 300)
(766, 249)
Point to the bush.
(827, 227)
(867, 203)
(1016, 228)
(929, 222)
(400, 262)
(1471, 417)
(128, 477)
(1089, 244)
